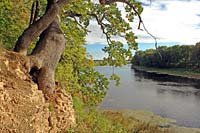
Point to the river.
(165, 96)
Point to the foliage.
(14, 17)
(76, 70)
(100, 63)
(185, 56)
(76, 65)
(116, 78)
(184, 72)
(111, 22)
(76, 73)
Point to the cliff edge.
(23, 107)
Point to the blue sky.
(96, 49)
(171, 21)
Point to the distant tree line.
(178, 56)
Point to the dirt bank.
(23, 107)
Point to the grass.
(91, 120)
(173, 71)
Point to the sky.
(171, 21)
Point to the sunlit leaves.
(14, 18)
(130, 37)
(94, 84)
(111, 22)
(115, 26)
(77, 74)
(185, 56)
(75, 71)
(117, 54)
(116, 78)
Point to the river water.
(163, 95)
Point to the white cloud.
(96, 35)
(169, 20)
(175, 23)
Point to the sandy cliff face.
(23, 107)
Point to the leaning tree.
(46, 29)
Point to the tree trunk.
(35, 29)
(48, 50)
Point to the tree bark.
(48, 51)
(34, 30)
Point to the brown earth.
(23, 108)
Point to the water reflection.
(167, 78)
(171, 97)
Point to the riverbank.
(115, 121)
(177, 72)
(139, 92)
(147, 122)
(127, 121)
(93, 119)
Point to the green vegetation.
(100, 63)
(178, 59)
(172, 71)
(91, 120)
(14, 16)
(75, 71)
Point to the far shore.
(176, 72)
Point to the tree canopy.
(74, 18)
(184, 56)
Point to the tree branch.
(109, 2)
(99, 21)
(34, 31)
(37, 10)
(32, 13)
